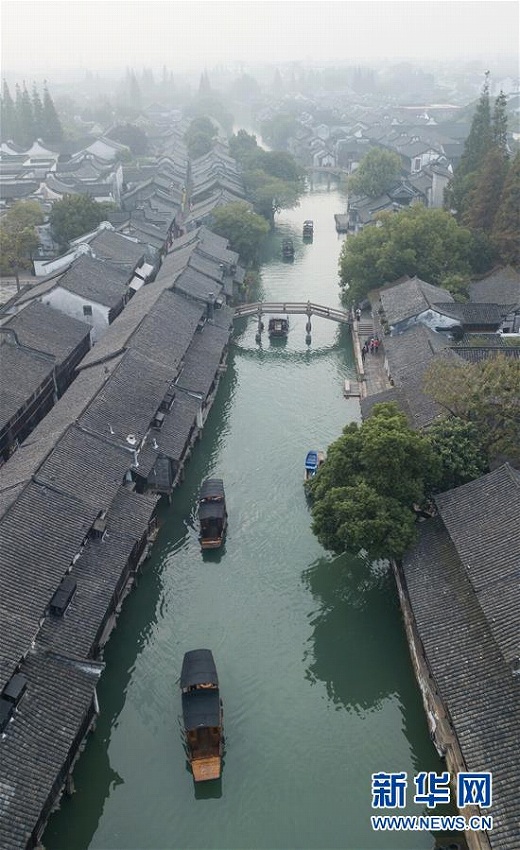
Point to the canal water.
(313, 664)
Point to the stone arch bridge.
(301, 308)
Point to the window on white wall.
(87, 310)
(417, 164)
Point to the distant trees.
(377, 172)
(200, 136)
(506, 224)
(272, 179)
(131, 136)
(75, 215)
(28, 118)
(278, 130)
(416, 241)
(18, 237)
(244, 229)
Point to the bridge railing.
(304, 308)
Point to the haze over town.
(102, 36)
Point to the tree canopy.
(75, 215)
(278, 130)
(244, 229)
(200, 136)
(131, 136)
(458, 445)
(506, 224)
(416, 241)
(378, 171)
(18, 236)
(363, 496)
(272, 179)
(485, 394)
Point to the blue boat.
(313, 461)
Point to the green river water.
(314, 668)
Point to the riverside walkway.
(371, 371)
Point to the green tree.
(18, 237)
(506, 225)
(499, 127)
(24, 115)
(279, 129)
(52, 129)
(416, 241)
(131, 136)
(486, 394)
(378, 171)
(364, 494)
(37, 107)
(458, 446)
(478, 143)
(244, 229)
(75, 215)
(8, 119)
(200, 136)
(484, 197)
(242, 145)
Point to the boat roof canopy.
(212, 488)
(212, 510)
(198, 667)
(201, 709)
(311, 461)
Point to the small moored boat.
(308, 229)
(313, 461)
(202, 714)
(278, 327)
(212, 513)
(287, 249)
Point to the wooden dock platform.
(341, 220)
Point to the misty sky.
(46, 35)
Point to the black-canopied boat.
(278, 327)
(212, 513)
(202, 714)
(308, 229)
(287, 249)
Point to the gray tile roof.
(46, 329)
(117, 249)
(395, 395)
(501, 286)
(128, 401)
(203, 357)
(410, 298)
(96, 281)
(171, 440)
(483, 521)
(98, 573)
(196, 285)
(36, 747)
(474, 314)
(39, 536)
(476, 685)
(21, 375)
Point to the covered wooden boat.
(313, 461)
(278, 327)
(308, 229)
(212, 513)
(202, 714)
(287, 249)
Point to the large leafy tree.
(131, 136)
(457, 443)
(75, 215)
(484, 197)
(25, 123)
(485, 394)
(378, 171)
(244, 228)
(364, 495)
(278, 130)
(18, 237)
(417, 241)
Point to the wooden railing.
(304, 308)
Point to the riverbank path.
(371, 371)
